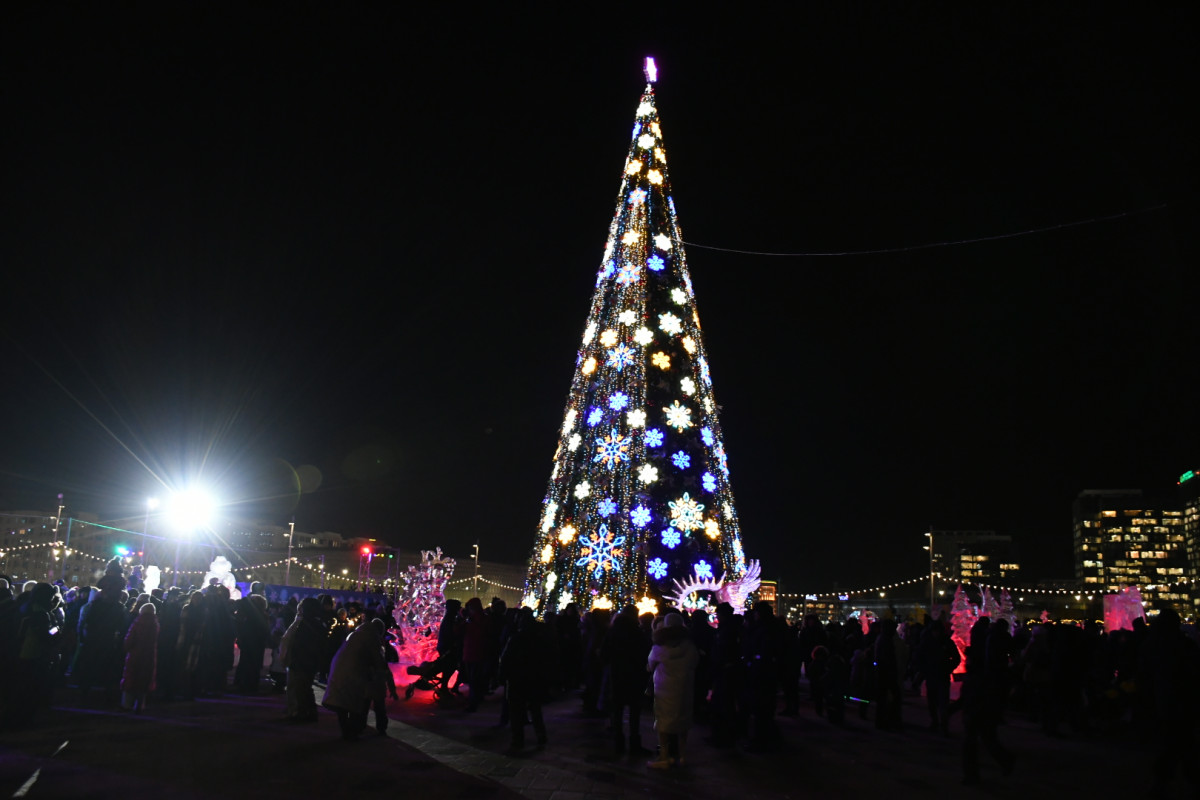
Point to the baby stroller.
(433, 675)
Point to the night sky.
(350, 241)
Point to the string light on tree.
(618, 514)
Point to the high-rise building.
(1189, 500)
(1121, 542)
(983, 557)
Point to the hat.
(673, 620)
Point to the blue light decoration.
(704, 570)
(612, 450)
(620, 357)
(640, 516)
(625, 501)
(606, 271)
(628, 273)
(602, 552)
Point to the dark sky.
(239, 242)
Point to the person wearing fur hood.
(673, 660)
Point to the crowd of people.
(730, 673)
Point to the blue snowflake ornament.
(607, 507)
(606, 271)
(654, 437)
(612, 450)
(637, 196)
(656, 263)
(602, 552)
(620, 357)
(707, 435)
(671, 538)
(682, 460)
(628, 273)
(704, 570)
(657, 569)
(640, 516)
(594, 417)
(618, 401)
(709, 482)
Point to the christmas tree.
(639, 506)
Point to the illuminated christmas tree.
(639, 506)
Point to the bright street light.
(190, 509)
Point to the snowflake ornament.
(628, 273)
(574, 442)
(607, 507)
(627, 317)
(569, 421)
(655, 177)
(606, 271)
(612, 450)
(608, 338)
(637, 197)
(594, 417)
(636, 418)
(620, 357)
(689, 344)
(657, 569)
(640, 516)
(654, 437)
(645, 141)
(686, 513)
(602, 552)
(618, 401)
(706, 435)
(711, 529)
(661, 360)
(633, 167)
(687, 386)
(662, 242)
(678, 296)
(669, 323)
(678, 417)
(655, 263)
(630, 237)
(643, 336)
(671, 538)
(681, 460)
(589, 366)
(703, 570)
(647, 473)
(589, 332)
(583, 489)
(709, 482)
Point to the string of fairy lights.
(840, 594)
(845, 594)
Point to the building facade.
(1119, 541)
(983, 557)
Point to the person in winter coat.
(474, 653)
(524, 666)
(352, 675)
(34, 652)
(141, 657)
(302, 651)
(624, 651)
(102, 626)
(252, 627)
(673, 660)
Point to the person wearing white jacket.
(673, 660)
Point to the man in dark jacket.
(624, 654)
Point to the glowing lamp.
(190, 509)
(366, 551)
(651, 70)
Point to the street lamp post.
(287, 571)
(931, 588)
(475, 579)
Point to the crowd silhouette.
(729, 674)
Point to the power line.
(931, 245)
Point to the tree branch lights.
(639, 502)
